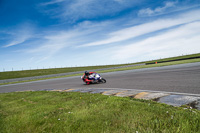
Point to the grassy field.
(58, 112)
(31, 73)
(153, 65)
(40, 72)
(184, 57)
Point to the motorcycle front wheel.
(103, 80)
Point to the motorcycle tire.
(103, 80)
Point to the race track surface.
(184, 78)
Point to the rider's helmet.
(86, 73)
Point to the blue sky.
(37, 34)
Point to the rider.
(90, 75)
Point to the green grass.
(41, 79)
(184, 57)
(58, 112)
(153, 65)
(40, 72)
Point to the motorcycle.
(94, 80)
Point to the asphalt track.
(183, 78)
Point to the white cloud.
(51, 2)
(74, 10)
(146, 28)
(52, 42)
(49, 47)
(19, 35)
(182, 40)
(18, 40)
(120, 1)
(157, 10)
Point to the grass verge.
(184, 57)
(84, 112)
(152, 65)
(41, 72)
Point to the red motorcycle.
(92, 78)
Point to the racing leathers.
(93, 76)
